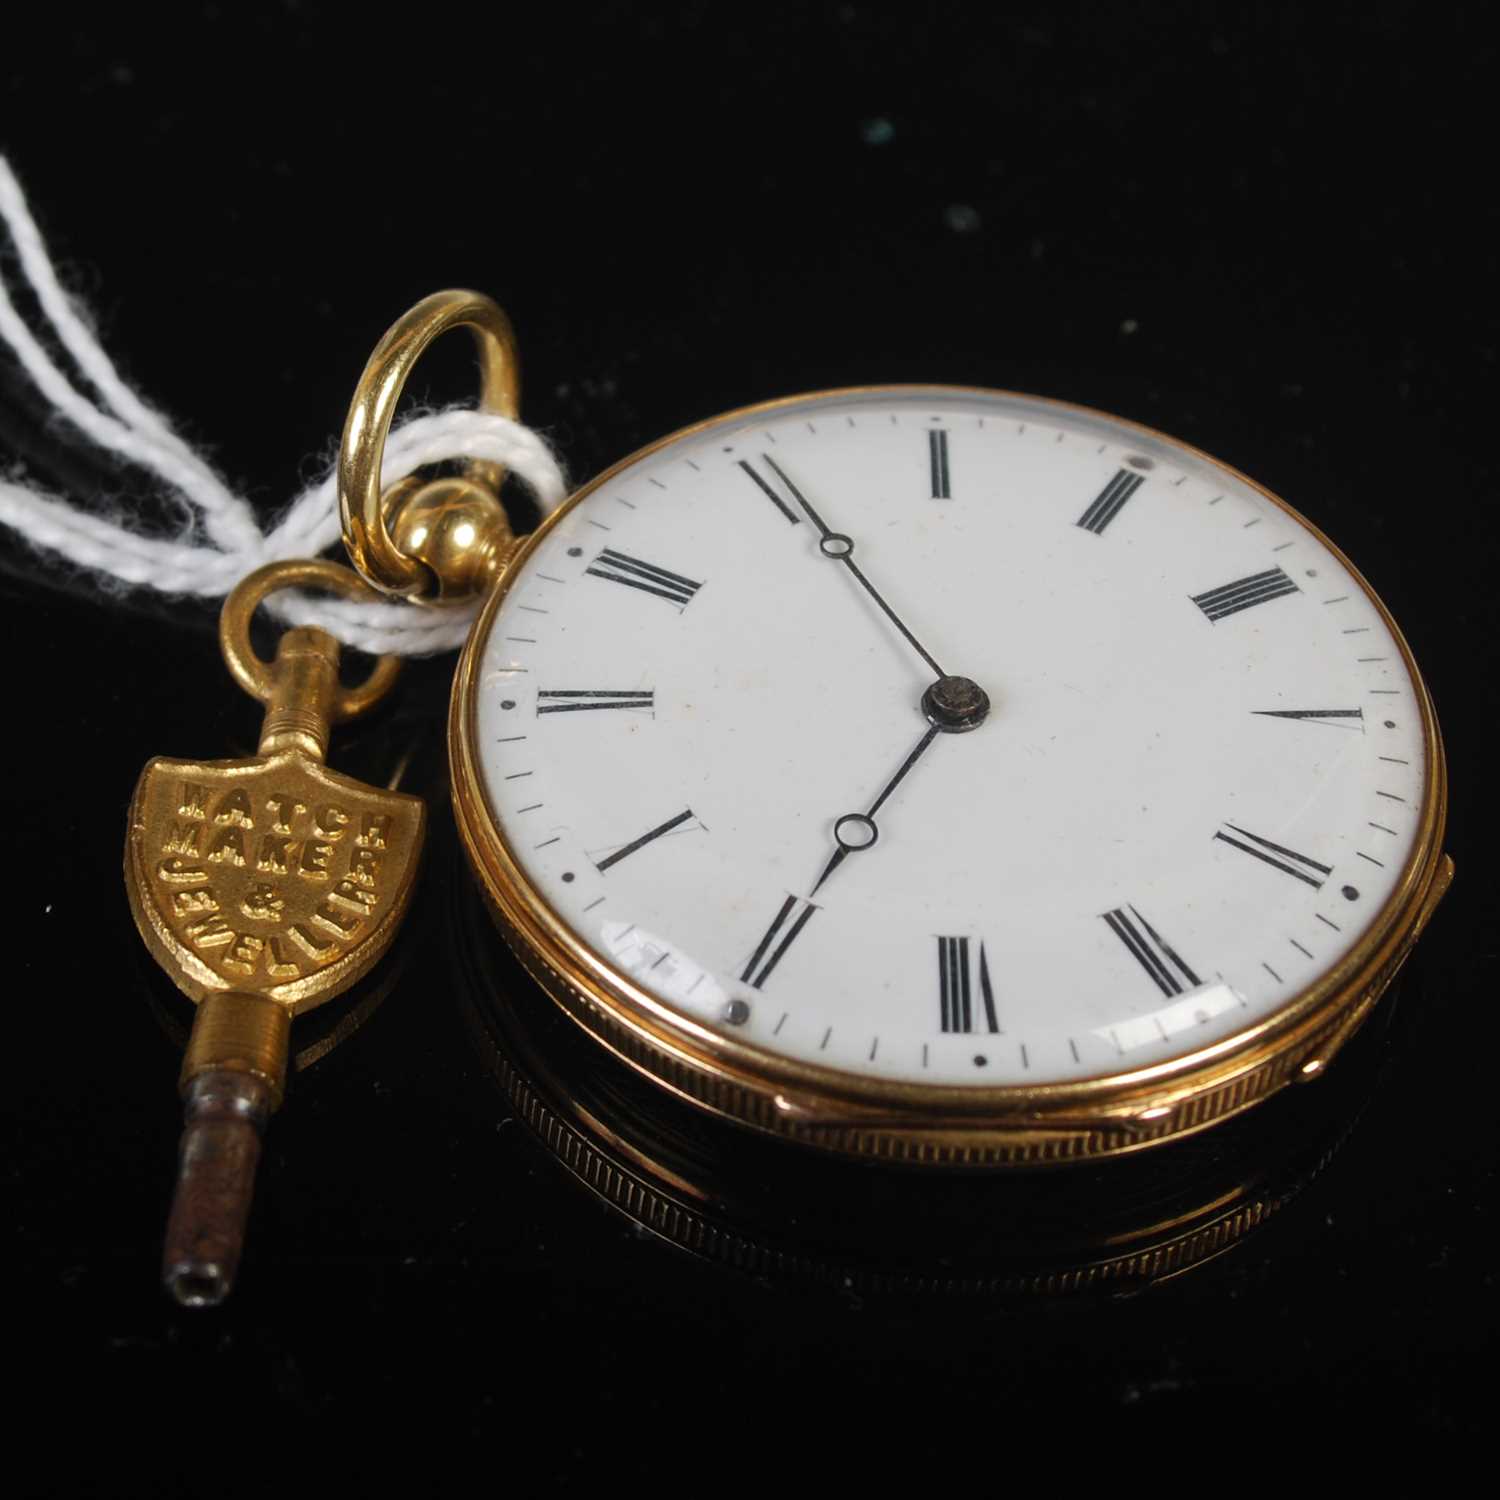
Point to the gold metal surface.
(282, 683)
(948, 1125)
(238, 1033)
(273, 875)
(442, 541)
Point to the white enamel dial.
(1197, 782)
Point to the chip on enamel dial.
(927, 736)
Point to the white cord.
(235, 545)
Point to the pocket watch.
(935, 774)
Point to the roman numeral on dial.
(576, 700)
(937, 462)
(1337, 718)
(794, 915)
(769, 493)
(1151, 951)
(1110, 501)
(1230, 598)
(628, 849)
(620, 567)
(960, 979)
(1276, 855)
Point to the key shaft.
(233, 1078)
(224, 1116)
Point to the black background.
(1269, 231)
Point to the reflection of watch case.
(770, 1208)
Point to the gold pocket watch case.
(944, 775)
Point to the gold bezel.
(946, 1124)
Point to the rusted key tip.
(224, 1114)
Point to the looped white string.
(122, 423)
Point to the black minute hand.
(856, 831)
(836, 545)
